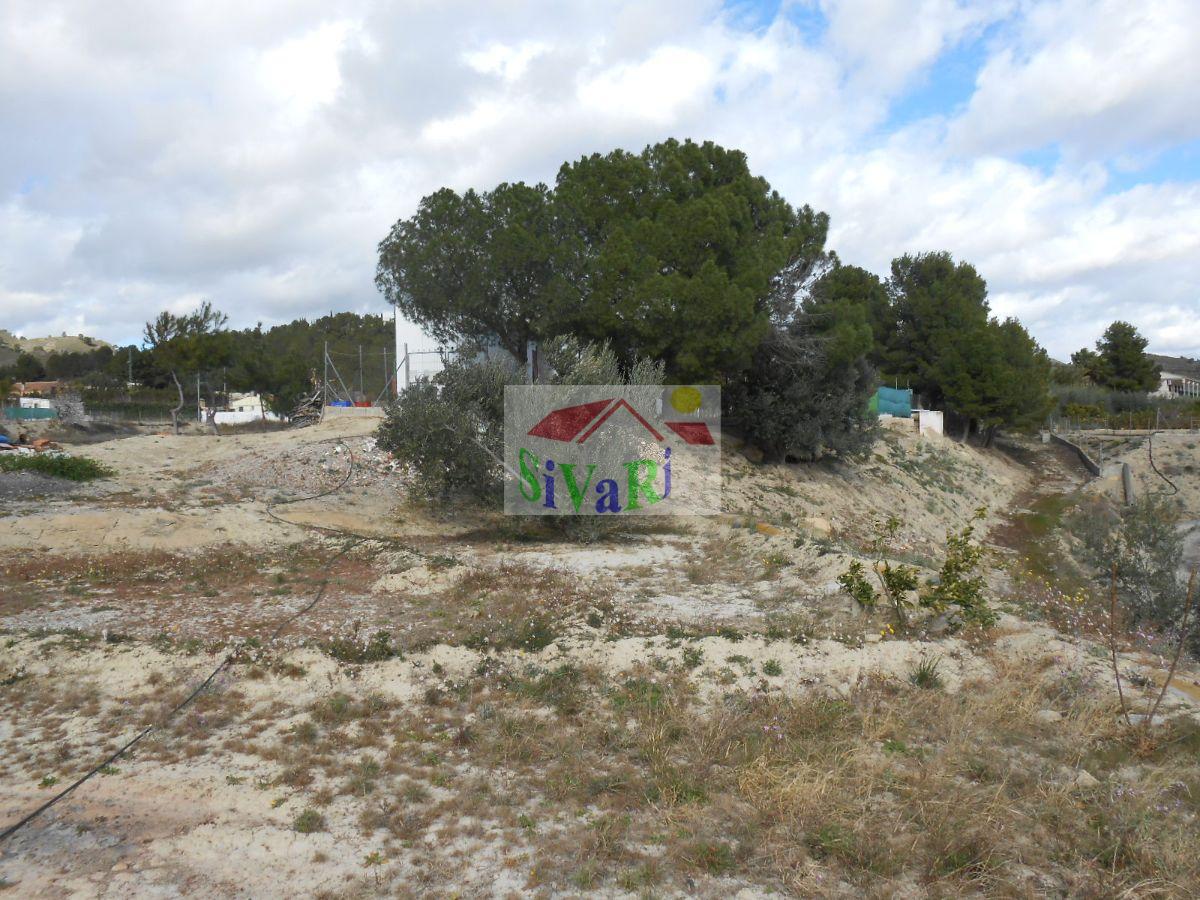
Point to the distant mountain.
(11, 345)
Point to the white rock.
(1047, 716)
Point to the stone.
(1086, 779)
(1047, 716)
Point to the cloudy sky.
(254, 153)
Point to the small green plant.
(926, 673)
(854, 582)
(377, 648)
(48, 781)
(959, 583)
(897, 581)
(693, 657)
(309, 821)
(714, 858)
(772, 668)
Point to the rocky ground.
(476, 707)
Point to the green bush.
(309, 821)
(450, 429)
(73, 468)
(959, 583)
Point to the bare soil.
(689, 707)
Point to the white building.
(1179, 377)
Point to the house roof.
(1178, 365)
(28, 387)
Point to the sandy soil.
(117, 601)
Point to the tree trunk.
(991, 436)
(966, 430)
(175, 411)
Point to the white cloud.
(254, 154)
(1098, 76)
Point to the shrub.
(959, 582)
(897, 581)
(450, 430)
(73, 468)
(798, 401)
(925, 673)
(309, 821)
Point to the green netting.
(17, 412)
(893, 402)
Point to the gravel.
(32, 485)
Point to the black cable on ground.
(1150, 448)
(221, 666)
(107, 761)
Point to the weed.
(925, 673)
(308, 822)
(772, 668)
(352, 650)
(715, 858)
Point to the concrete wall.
(1090, 464)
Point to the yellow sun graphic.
(686, 399)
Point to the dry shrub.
(514, 607)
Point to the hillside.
(11, 345)
(460, 704)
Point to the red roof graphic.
(563, 424)
(578, 423)
(692, 432)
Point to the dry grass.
(585, 780)
(634, 784)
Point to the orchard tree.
(188, 343)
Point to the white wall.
(241, 418)
(930, 421)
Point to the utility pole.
(407, 370)
(362, 387)
(199, 415)
(387, 378)
(325, 376)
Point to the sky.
(158, 154)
